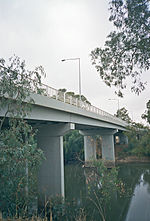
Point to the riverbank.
(133, 159)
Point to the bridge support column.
(107, 135)
(51, 174)
(108, 152)
(89, 148)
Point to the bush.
(73, 146)
(19, 162)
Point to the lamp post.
(78, 59)
(115, 100)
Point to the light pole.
(78, 59)
(115, 100)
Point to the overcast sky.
(43, 32)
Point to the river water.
(135, 207)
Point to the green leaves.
(126, 51)
(102, 185)
(18, 152)
(138, 140)
(16, 85)
(19, 156)
(123, 114)
(146, 115)
(73, 146)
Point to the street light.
(68, 59)
(115, 100)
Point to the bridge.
(55, 113)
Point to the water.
(136, 207)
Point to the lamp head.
(63, 60)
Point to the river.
(136, 207)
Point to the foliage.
(73, 146)
(65, 210)
(19, 155)
(102, 185)
(138, 137)
(64, 93)
(19, 162)
(143, 147)
(133, 140)
(16, 83)
(123, 114)
(126, 52)
(142, 135)
(146, 115)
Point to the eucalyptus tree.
(126, 53)
(123, 114)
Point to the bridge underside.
(50, 140)
(53, 119)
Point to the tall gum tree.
(126, 52)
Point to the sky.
(43, 32)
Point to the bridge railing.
(66, 98)
(46, 90)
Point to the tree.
(103, 184)
(146, 115)
(63, 93)
(139, 138)
(17, 83)
(123, 114)
(126, 52)
(73, 146)
(19, 156)
(138, 135)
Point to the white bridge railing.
(48, 91)
(66, 98)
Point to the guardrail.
(48, 91)
(66, 98)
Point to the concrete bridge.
(56, 114)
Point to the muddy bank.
(133, 159)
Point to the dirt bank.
(133, 159)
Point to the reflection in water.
(134, 208)
(75, 187)
(139, 208)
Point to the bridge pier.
(51, 174)
(108, 153)
(89, 148)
